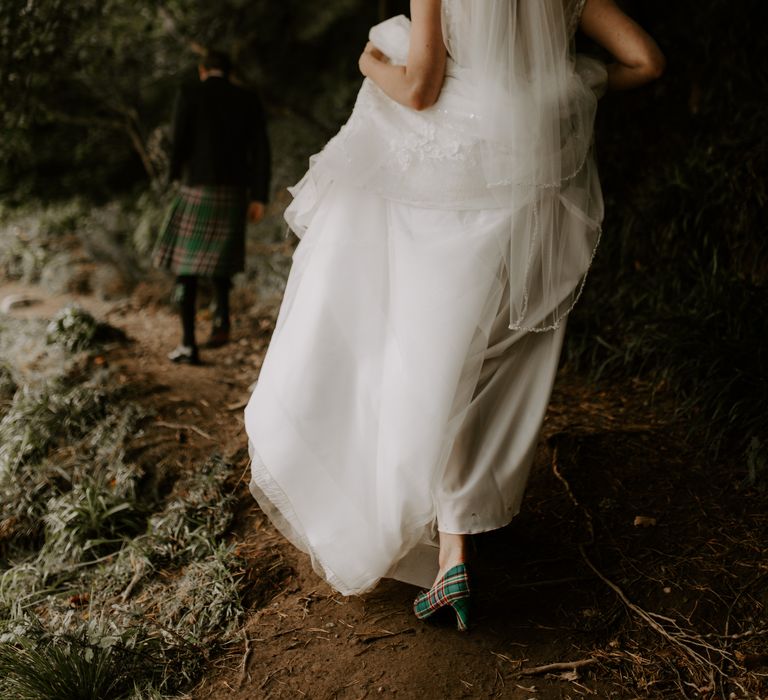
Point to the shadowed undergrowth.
(110, 586)
(678, 293)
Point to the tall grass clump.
(679, 293)
(96, 661)
(35, 671)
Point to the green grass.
(109, 586)
(40, 419)
(98, 662)
(57, 672)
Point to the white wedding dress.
(394, 400)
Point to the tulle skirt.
(394, 401)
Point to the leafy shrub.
(74, 328)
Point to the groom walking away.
(221, 152)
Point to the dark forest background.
(678, 292)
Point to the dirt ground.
(636, 565)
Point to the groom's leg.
(187, 300)
(221, 287)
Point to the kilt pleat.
(204, 232)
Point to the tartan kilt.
(204, 232)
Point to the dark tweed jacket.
(220, 138)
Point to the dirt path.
(542, 585)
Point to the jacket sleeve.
(260, 160)
(180, 136)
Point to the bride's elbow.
(419, 104)
(422, 94)
(657, 66)
(654, 65)
(420, 99)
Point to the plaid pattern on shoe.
(204, 232)
(452, 589)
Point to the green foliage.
(90, 520)
(86, 496)
(72, 327)
(86, 88)
(109, 589)
(29, 236)
(207, 597)
(40, 419)
(69, 88)
(196, 518)
(33, 672)
(96, 660)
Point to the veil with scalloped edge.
(537, 108)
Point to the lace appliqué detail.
(423, 138)
(409, 149)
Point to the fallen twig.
(181, 426)
(137, 576)
(368, 638)
(559, 666)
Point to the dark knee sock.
(187, 288)
(221, 287)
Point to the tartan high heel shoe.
(452, 589)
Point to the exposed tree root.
(706, 659)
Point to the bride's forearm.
(638, 58)
(418, 83)
(416, 91)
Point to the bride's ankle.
(453, 551)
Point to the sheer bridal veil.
(536, 111)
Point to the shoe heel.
(461, 608)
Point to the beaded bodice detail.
(428, 158)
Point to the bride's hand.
(370, 52)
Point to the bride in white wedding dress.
(446, 231)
